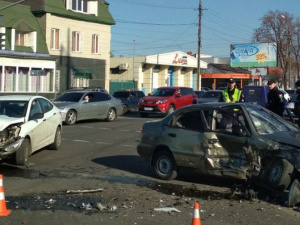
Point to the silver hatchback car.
(83, 104)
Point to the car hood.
(5, 121)
(288, 138)
(156, 98)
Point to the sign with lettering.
(253, 55)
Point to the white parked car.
(27, 124)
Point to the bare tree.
(276, 27)
(296, 48)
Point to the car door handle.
(213, 141)
(172, 135)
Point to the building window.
(55, 39)
(96, 44)
(20, 38)
(83, 6)
(76, 40)
(79, 5)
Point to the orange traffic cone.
(3, 210)
(196, 219)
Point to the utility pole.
(199, 46)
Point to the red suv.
(165, 100)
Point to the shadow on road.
(137, 165)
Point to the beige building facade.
(150, 72)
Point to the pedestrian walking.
(276, 102)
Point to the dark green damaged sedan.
(238, 140)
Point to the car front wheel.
(165, 165)
(279, 174)
(71, 117)
(23, 153)
(111, 115)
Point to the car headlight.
(161, 101)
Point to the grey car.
(237, 140)
(75, 106)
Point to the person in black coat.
(276, 101)
(297, 102)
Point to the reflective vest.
(236, 95)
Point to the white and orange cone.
(3, 210)
(196, 219)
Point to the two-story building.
(76, 35)
(25, 63)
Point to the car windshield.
(13, 108)
(69, 97)
(212, 94)
(121, 94)
(267, 123)
(163, 92)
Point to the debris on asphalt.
(167, 209)
(84, 191)
(294, 193)
(87, 206)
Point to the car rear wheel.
(111, 115)
(57, 140)
(171, 109)
(165, 165)
(71, 117)
(279, 174)
(125, 109)
(23, 153)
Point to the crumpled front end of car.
(10, 140)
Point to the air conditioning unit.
(123, 66)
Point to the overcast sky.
(146, 27)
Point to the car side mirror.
(85, 100)
(37, 116)
(177, 95)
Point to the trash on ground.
(84, 191)
(167, 209)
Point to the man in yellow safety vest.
(231, 93)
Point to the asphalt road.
(99, 155)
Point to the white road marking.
(128, 145)
(123, 130)
(104, 128)
(103, 143)
(87, 127)
(81, 141)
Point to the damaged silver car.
(27, 124)
(239, 140)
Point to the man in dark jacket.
(297, 102)
(276, 101)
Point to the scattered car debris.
(167, 209)
(84, 191)
(294, 193)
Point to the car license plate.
(148, 108)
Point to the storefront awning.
(83, 73)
